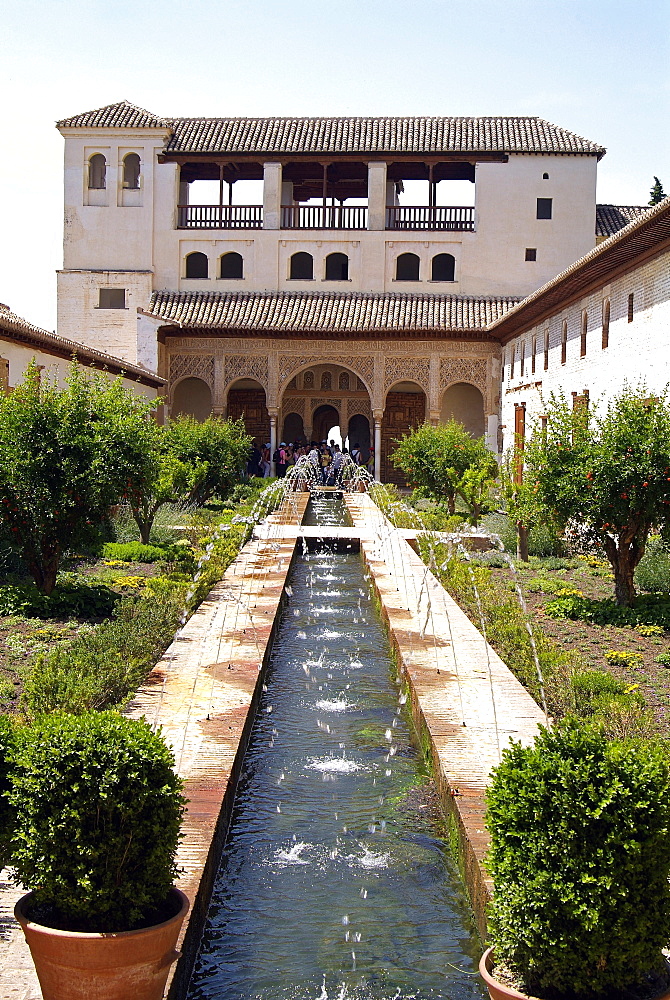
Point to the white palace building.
(325, 298)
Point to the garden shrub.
(595, 690)
(649, 629)
(8, 736)
(492, 558)
(580, 858)
(133, 552)
(623, 658)
(663, 658)
(647, 610)
(653, 570)
(70, 598)
(106, 665)
(98, 811)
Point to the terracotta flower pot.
(72, 965)
(499, 992)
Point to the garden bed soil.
(591, 642)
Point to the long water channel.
(335, 881)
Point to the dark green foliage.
(580, 857)
(543, 538)
(657, 194)
(98, 811)
(136, 552)
(647, 610)
(105, 666)
(64, 459)
(663, 658)
(8, 737)
(217, 451)
(70, 599)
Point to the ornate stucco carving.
(463, 370)
(192, 366)
(247, 366)
(407, 368)
(360, 365)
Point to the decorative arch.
(443, 267)
(405, 407)
(97, 172)
(337, 267)
(131, 171)
(291, 366)
(191, 396)
(246, 399)
(301, 266)
(407, 267)
(464, 402)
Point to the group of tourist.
(327, 459)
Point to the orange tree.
(446, 462)
(607, 473)
(65, 456)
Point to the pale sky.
(597, 67)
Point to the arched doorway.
(192, 397)
(405, 408)
(324, 418)
(465, 403)
(293, 429)
(359, 433)
(246, 399)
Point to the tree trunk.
(623, 558)
(521, 542)
(43, 567)
(451, 503)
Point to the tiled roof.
(20, 330)
(344, 135)
(611, 218)
(120, 115)
(375, 135)
(647, 234)
(340, 314)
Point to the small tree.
(610, 474)
(65, 455)
(446, 461)
(160, 477)
(216, 450)
(523, 504)
(657, 194)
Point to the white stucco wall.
(20, 355)
(636, 352)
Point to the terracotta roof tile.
(120, 115)
(340, 314)
(344, 135)
(611, 218)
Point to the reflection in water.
(333, 883)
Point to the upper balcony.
(417, 218)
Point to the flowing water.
(335, 882)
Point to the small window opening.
(564, 342)
(232, 265)
(522, 360)
(343, 380)
(531, 253)
(326, 380)
(197, 265)
(407, 267)
(544, 206)
(532, 357)
(511, 363)
(97, 172)
(443, 267)
(583, 332)
(112, 298)
(545, 177)
(302, 266)
(606, 324)
(631, 300)
(546, 350)
(308, 380)
(131, 171)
(337, 267)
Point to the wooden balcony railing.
(324, 217)
(219, 217)
(440, 217)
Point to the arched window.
(606, 324)
(343, 381)
(337, 267)
(407, 267)
(564, 341)
(308, 380)
(443, 267)
(97, 170)
(583, 333)
(302, 266)
(131, 171)
(232, 266)
(197, 265)
(326, 380)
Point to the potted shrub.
(98, 810)
(580, 858)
